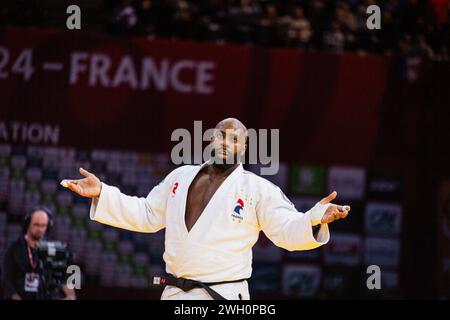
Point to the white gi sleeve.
(285, 226)
(132, 213)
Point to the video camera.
(54, 258)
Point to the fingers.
(345, 211)
(330, 198)
(64, 183)
(341, 213)
(73, 187)
(335, 212)
(86, 173)
(343, 208)
(336, 215)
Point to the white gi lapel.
(214, 204)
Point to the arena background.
(368, 119)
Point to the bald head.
(38, 225)
(229, 140)
(231, 123)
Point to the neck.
(30, 241)
(223, 169)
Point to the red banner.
(132, 93)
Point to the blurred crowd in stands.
(420, 27)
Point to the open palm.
(334, 212)
(89, 187)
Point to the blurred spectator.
(405, 44)
(299, 29)
(334, 38)
(124, 18)
(269, 26)
(164, 17)
(347, 21)
(146, 18)
(423, 47)
(371, 40)
(318, 17)
(315, 24)
(22, 12)
(184, 25)
(212, 16)
(243, 16)
(388, 33)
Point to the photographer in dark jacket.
(23, 275)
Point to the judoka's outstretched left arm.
(111, 207)
(293, 230)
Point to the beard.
(225, 161)
(36, 237)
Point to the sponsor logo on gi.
(237, 211)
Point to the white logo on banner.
(160, 75)
(29, 133)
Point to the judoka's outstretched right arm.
(111, 207)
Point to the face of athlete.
(38, 225)
(229, 141)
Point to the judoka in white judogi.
(219, 245)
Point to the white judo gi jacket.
(219, 245)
